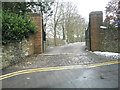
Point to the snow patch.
(105, 53)
(70, 44)
(111, 54)
(51, 47)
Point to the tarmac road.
(73, 48)
(95, 72)
(97, 77)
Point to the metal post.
(118, 15)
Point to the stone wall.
(109, 40)
(15, 52)
(98, 39)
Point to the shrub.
(16, 27)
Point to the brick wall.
(101, 39)
(31, 45)
(96, 19)
(38, 46)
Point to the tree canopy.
(111, 14)
(25, 7)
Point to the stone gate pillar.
(96, 19)
(38, 41)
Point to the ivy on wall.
(16, 27)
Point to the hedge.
(16, 27)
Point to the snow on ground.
(108, 54)
(75, 43)
(70, 44)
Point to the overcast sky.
(86, 6)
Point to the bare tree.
(66, 23)
(111, 8)
(111, 13)
(56, 18)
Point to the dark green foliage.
(43, 7)
(16, 7)
(15, 27)
(24, 7)
(15, 24)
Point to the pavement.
(68, 66)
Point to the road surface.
(68, 66)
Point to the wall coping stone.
(35, 14)
(96, 12)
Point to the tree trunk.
(63, 32)
(55, 35)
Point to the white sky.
(86, 6)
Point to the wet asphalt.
(97, 77)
